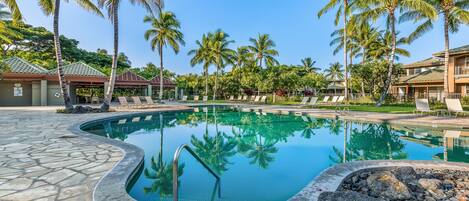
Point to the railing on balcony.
(461, 70)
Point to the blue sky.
(294, 26)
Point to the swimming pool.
(262, 156)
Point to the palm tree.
(343, 5)
(334, 72)
(14, 9)
(52, 7)
(381, 49)
(112, 7)
(242, 56)
(203, 55)
(165, 31)
(262, 47)
(6, 32)
(454, 14)
(221, 53)
(374, 9)
(308, 65)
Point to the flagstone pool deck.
(42, 157)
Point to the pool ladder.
(176, 165)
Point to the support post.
(149, 90)
(43, 92)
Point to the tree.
(221, 53)
(202, 55)
(454, 14)
(14, 9)
(165, 31)
(343, 5)
(308, 65)
(374, 9)
(112, 7)
(52, 7)
(7, 34)
(262, 47)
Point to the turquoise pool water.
(263, 156)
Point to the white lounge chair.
(252, 98)
(150, 102)
(454, 106)
(422, 106)
(240, 98)
(313, 101)
(231, 98)
(325, 99)
(304, 101)
(341, 99)
(196, 98)
(123, 102)
(184, 99)
(137, 102)
(245, 98)
(205, 99)
(334, 99)
(257, 99)
(264, 100)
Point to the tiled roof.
(18, 65)
(430, 62)
(433, 75)
(80, 69)
(130, 76)
(458, 50)
(156, 81)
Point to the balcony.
(461, 71)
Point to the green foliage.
(465, 100)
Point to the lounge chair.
(137, 102)
(313, 102)
(252, 98)
(150, 101)
(263, 100)
(454, 106)
(240, 98)
(196, 98)
(326, 99)
(231, 98)
(123, 102)
(341, 99)
(304, 101)
(257, 99)
(184, 99)
(334, 99)
(422, 106)
(245, 98)
(205, 99)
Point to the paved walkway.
(40, 159)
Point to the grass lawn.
(393, 109)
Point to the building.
(425, 79)
(26, 84)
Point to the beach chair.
(252, 99)
(149, 101)
(314, 101)
(123, 102)
(231, 98)
(205, 99)
(257, 99)
(137, 102)
(422, 106)
(454, 106)
(304, 101)
(184, 99)
(341, 99)
(94, 100)
(245, 98)
(334, 99)
(196, 99)
(325, 99)
(240, 98)
(263, 100)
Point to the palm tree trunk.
(260, 62)
(206, 80)
(363, 63)
(446, 84)
(161, 73)
(345, 49)
(216, 84)
(112, 78)
(388, 80)
(58, 54)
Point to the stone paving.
(40, 159)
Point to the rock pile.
(403, 183)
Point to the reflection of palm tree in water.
(161, 172)
(260, 152)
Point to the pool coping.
(330, 179)
(113, 185)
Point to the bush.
(465, 100)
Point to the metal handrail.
(176, 165)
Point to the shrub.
(465, 100)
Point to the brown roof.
(166, 82)
(129, 76)
(455, 51)
(430, 62)
(433, 75)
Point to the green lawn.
(371, 108)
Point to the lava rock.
(385, 184)
(346, 196)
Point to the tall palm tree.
(6, 32)
(222, 54)
(242, 56)
(263, 48)
(165, 31)
(112, 7)
(202, 55)
(308, 65)
(454, 12)
(52, 7)
(374, 9)
(343, 6)
(334, 72)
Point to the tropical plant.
(335, 72)
(202, 55)
(455, 13)
(165, 31)
(263, 49)
(222, 54)
(14, 9)
(112, 7)
(52, 7)
(374, 9)
(309, 65)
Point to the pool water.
(262, 156)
